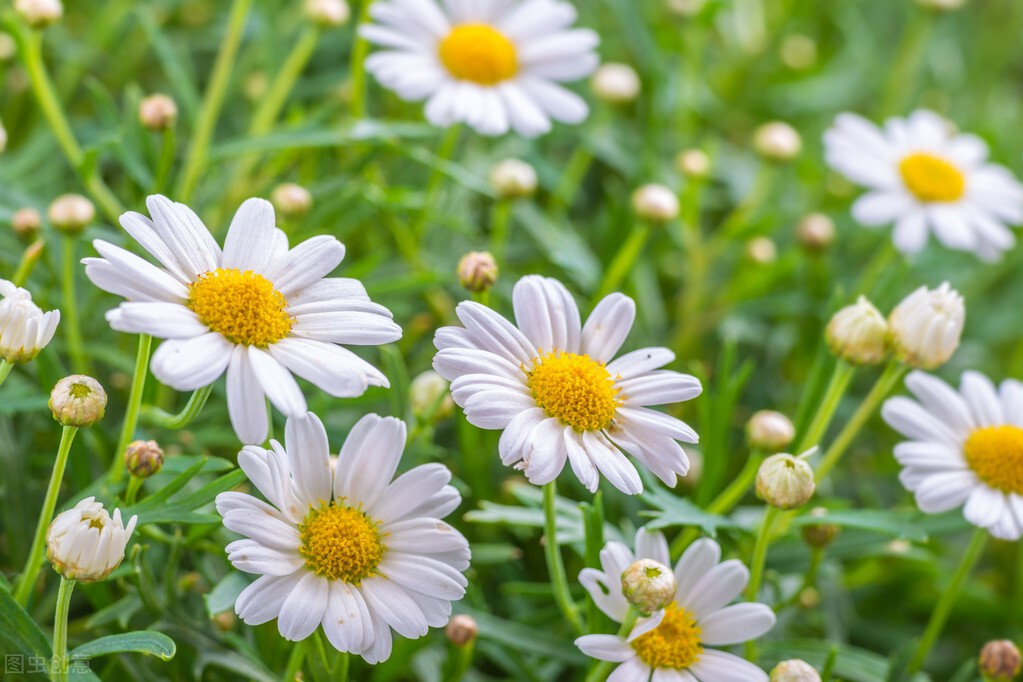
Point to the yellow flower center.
(995, 453)
(340, 543)
(478, 53)
(932, 178)
(574, 388)
(675, 643)
(243, 306)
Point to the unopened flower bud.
(225, 620)
(143, 458)
(816, 231)
(26, 223)
(615, 83)
(39, 13)
(70, 213)
(158, 112)
(85, 543)
(513, 179)
(477, 271)
(941, 5)
(999, 660)
(291, 200)
(655, 203)
(327, 13)
(24, 328)
(777, 141)
(762, 250)
(3, 137)
(430, 396)
(794, 670)
(256, 84)
(648, 585)
(819, 535)
(461, 629)
(7, 46)
(693, 163)
(924, 329)
(809, 598)
(786, 482)
(798, 52)
(858, 333)
(78, 401)
(686, 8)
(769, 431)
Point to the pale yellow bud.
(7, 46)
(70, 213)
(786, 482)
(143, 458)
(769, 431)
(648, 585)
(693, 163)
(158, 112)
(291, 200)
(429, 396)
(513, 179)
(655, 203)
(816, 231)
(686, 8)
(924, 330)
(78, 400)
(225, 621)
(858, 333)
(39, 13)
(777, 141)
(794, 670)
(26, 223)
(762, 250)
(941, 5)
(798, 52)
(85, 543)
(1000, 660)
(819, 535)
(461, 629)
(615, 83)
(327, 13)
(477, 271)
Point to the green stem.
(499, 229)
(447, 148)
(462, 661)
(732, 225)
(625, 258)
(166, 160)
(346, 660)
(35, 555)
(134, 483)
(5, 369)
(906, 62)
(359, 53)
(59, 670)
(571, 179)
(131, 414)
(600, 671)
(28, 262)
(832, 397)
(157, 417)
(70, 313)
(757, 567)
(213, 100)
(555, 567)
(272, 103)
(947, 600)
(885, 383)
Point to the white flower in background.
(256, 309)
(925, 328)
(494, 64)
(965, 448)
(672, 644)
(24, 328)
(616, 83)
(85, 544)
(551, 384)
(349, 549)
(924, 177)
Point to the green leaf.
(18, 630)
(901, 524)
(678, 511)
(142, 641)
(521, 637)
(223, 595)
(562, 245)
(851, 664)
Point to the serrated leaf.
(678, 511)
(141, 641)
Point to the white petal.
(368, 459)
(735, 624)
(159, 319)
(719, 585)
(607, 326)
(391, 603)
(698, 559)
(605, 647)
(261, 601)
(309, 456)
(188, 364)
(719, 666)
(304, 607)
(245, 399)
(547, 314)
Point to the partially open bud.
(70, 213)
(769, 431)
(85, 543)
(693, 163)
(158, 112)
(327, 13)
(615, 83)
(461, 629)
(24, 328)
(858, 333)
(26, 223)
(655, 203)
(143, 458)
(78, 401)
(291, 200)
(686, 8)
(477, 271)
(777, 141)
(819, 535)
(762, 250)
(794, 670)
(999, 661)
(39, 13)
(786, 482)
(924, 329)
(648, 585)
(799, 52)
(816, 231)
(430, 396)
(513, 179)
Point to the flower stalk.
(555, 566)
(59, 669)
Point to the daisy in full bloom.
(348, 548)
(552, 385)
(256, 309)
(671, 643)
(494, 64)
(924, 177)
(965, 448)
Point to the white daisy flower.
(552, 386)
(493, 64)
(965, 448)
(671, 644)
(923, 176)
(256, 309)
(24, 328)
(349, 549)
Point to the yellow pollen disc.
(574, 388)
(478, 53)
(243, 306)
(675, 643)
(932, 178)
(340, 543)
(995, 453)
